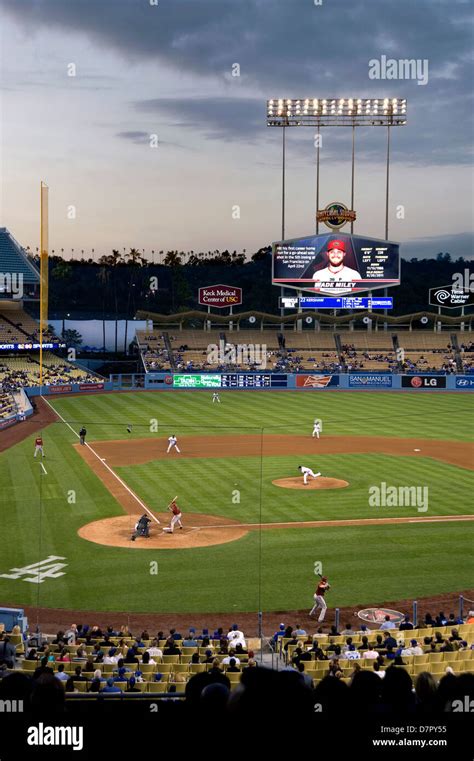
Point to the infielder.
(307, 472)
(39, 446)
(177, 515)
(172, 442)
(215, 397)
(319, 601)
(316, 428)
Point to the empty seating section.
(24, 371)
(8, 405)
(309, 350)
(16, 326)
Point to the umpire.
(82, 435)
(141, 527)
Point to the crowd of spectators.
(384, 690)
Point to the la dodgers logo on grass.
(38, 572)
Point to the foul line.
(45, 471)
(342, 522)
(122, 483)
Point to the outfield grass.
(431, 415)
(272, 569)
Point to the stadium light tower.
(336, 112)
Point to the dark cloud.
(135, 137)
(219, 118)
(288, 47)
(138, 137)
(457, 244)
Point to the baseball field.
(390, 517)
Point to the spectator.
(406, 624)
(371, 653)
(387, 624)
(233, 668)
(426, 693)
(60, 673)
(226, 661)
(307, 679)
(110, 686)
(154, 650)
(7, 652)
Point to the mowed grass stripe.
(210, 486)
(348, 413)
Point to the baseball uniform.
(172, 442)
(177, 515)
(308, 472)
(319, 601)
(316, 428)
(215, 397)
(39, 446)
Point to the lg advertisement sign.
(424, 381)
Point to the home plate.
(417, 450)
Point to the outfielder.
(39, 446)
(316, 428)
(307, 472)
(215, 397)
(319, 601)
(177, 515)
(172, 442)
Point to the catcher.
(177, 515)
(142, 527)
(319, 601)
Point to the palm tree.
(172, 259)
(103, 276)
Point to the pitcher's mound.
(313, 483)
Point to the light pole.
(336, 112)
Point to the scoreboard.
(230, 380)
(206, 380)
(337, 302)
(242, 380)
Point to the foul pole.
(44, 245)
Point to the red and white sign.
(313, 381)
(220, 296)
(90, 386)
(60, 389)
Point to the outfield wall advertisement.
(266, 382)
(372, 380)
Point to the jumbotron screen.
(336, 263)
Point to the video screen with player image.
(336, 263)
